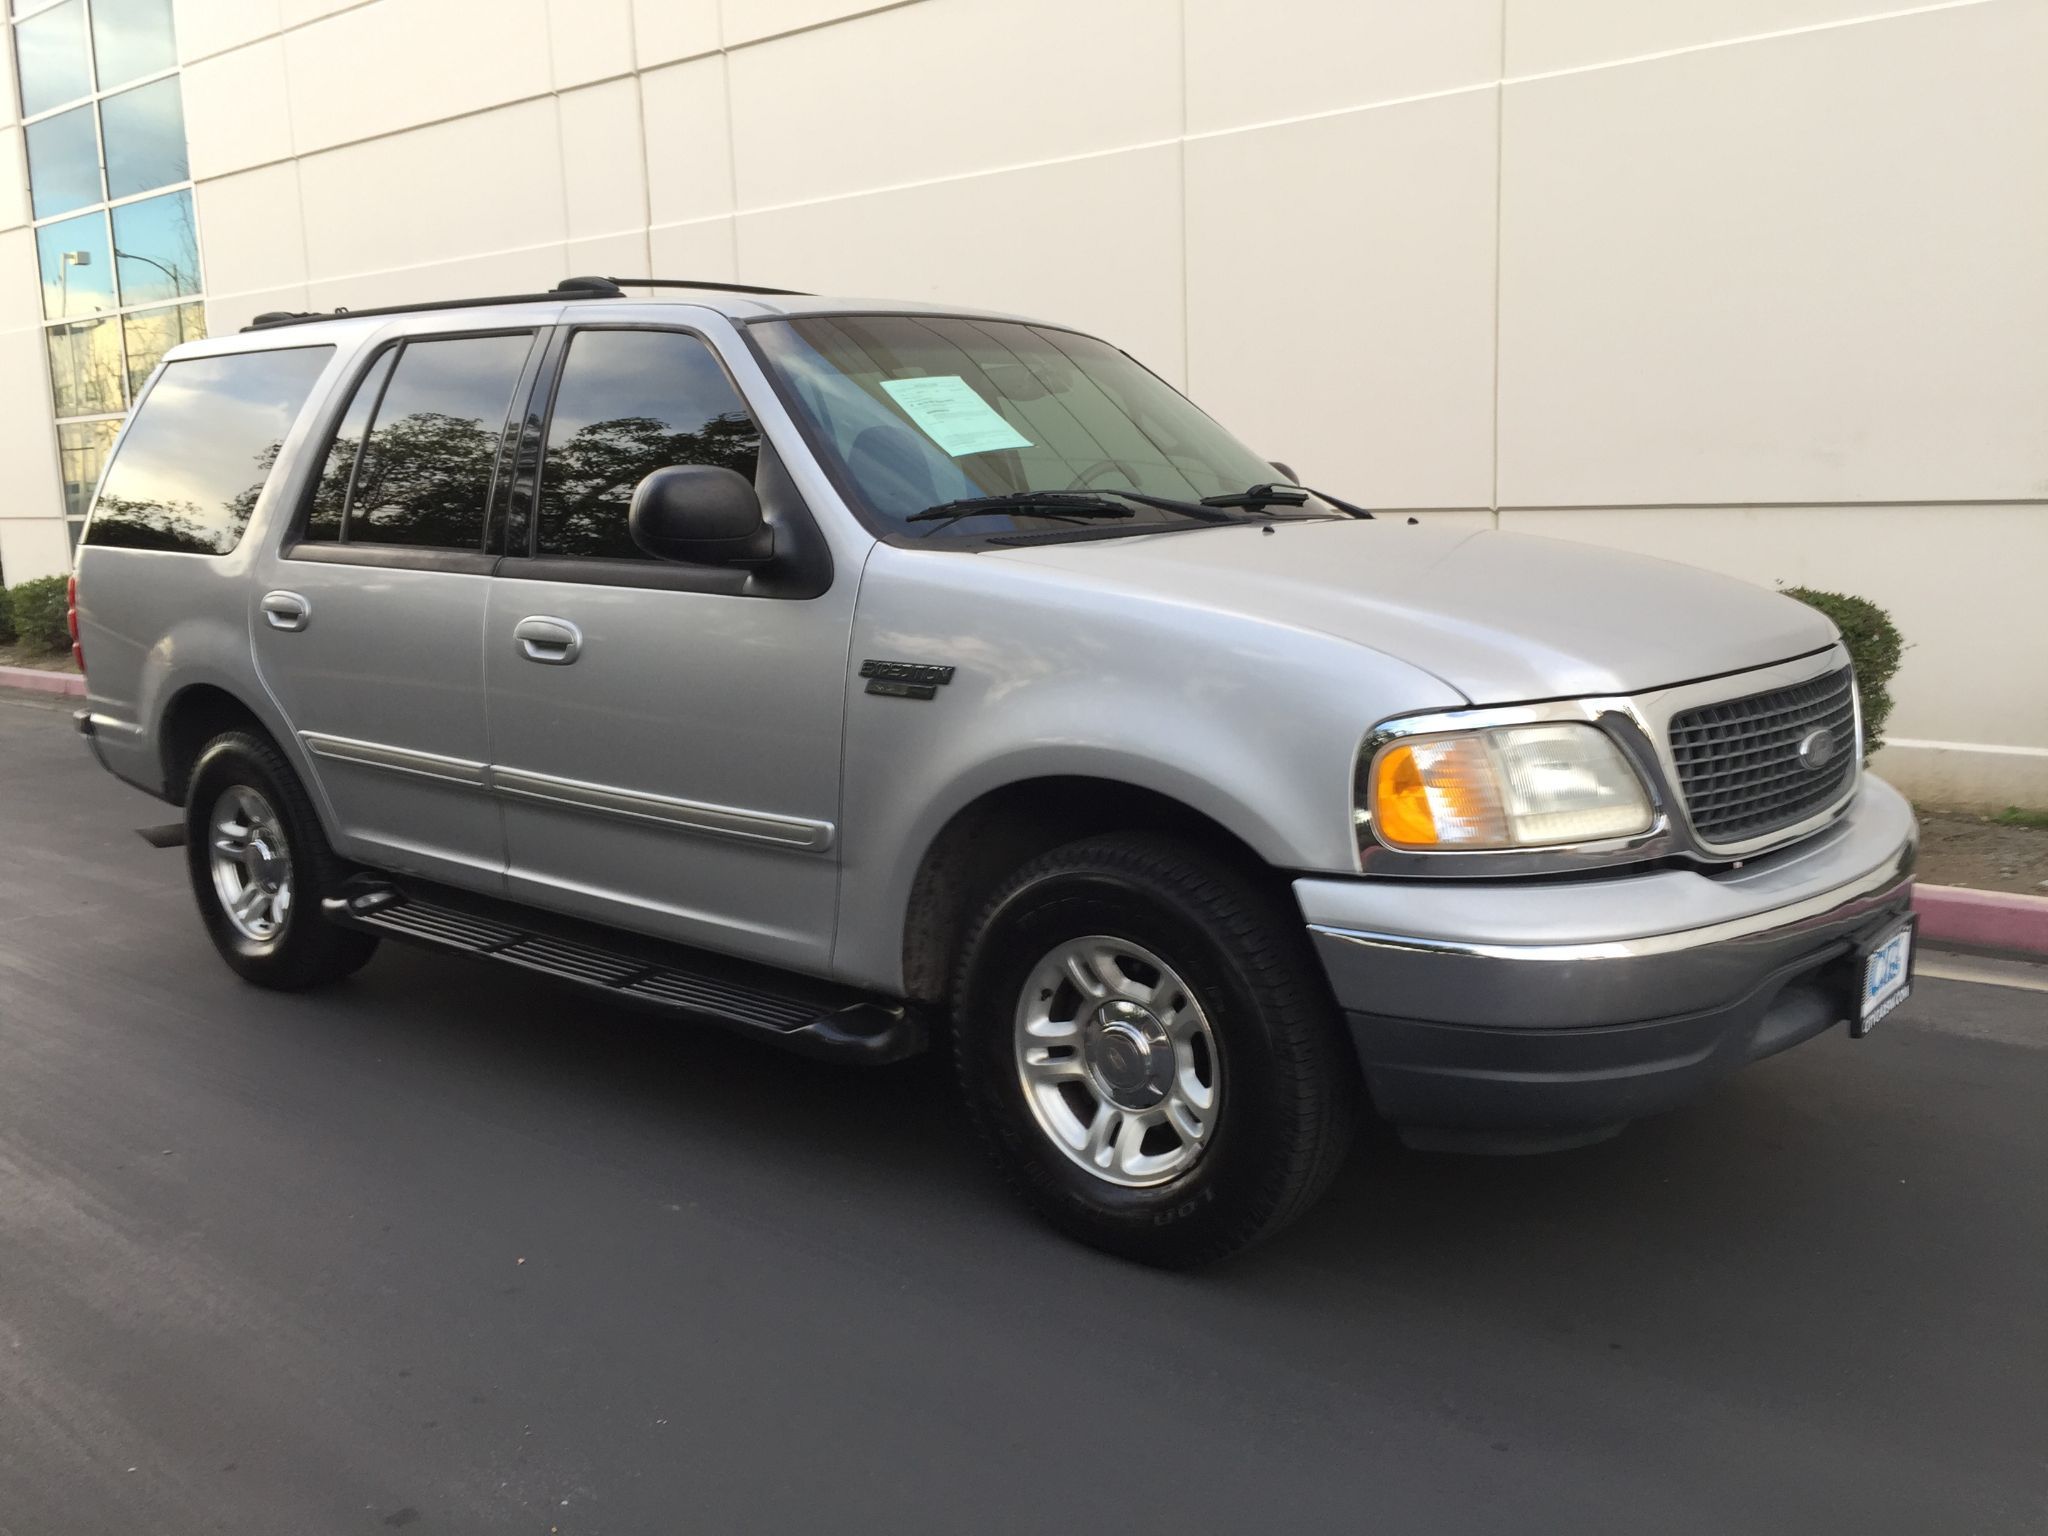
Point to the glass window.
(424, 477)
(86, 374)
(63, 163)
(130, 39)
(82, 446)
(922, 410)
(50, 53)
(145, 134)
(78, 273)
(200, 449)
(632, 402)
(156, 249)
(150, 333)
(330, 496)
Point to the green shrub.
(37, 610)
(6, 618)
(1874, 646)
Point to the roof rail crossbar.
(568, 288)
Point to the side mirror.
(700, 515)
(1286, 472)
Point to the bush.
(37, 612)
(1874, 646)
(6, 618)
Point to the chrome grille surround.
(1741, 765)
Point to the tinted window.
(145, 138)
(77, 267)
(330, 495)
(200, 448)
(85, 368)
(156, 249)
(63, 163)
(629, 403)
(49, 50)
(82, 447)
(131, 38)
(424, 477)
(150, 333)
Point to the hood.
(1501, 617)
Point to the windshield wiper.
(1259, 497)
(1049, 503)
(1087, 504)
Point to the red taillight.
(71, 621)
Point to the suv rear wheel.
(1148, 1052)
(260, 865)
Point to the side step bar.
(815, 1018)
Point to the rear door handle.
(551, 642)
(286, 610)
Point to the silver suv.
(864, 675)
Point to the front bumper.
(1517, 1016)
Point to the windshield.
(923, 411)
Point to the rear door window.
(200, 449)
(629, 403)
(423, 475)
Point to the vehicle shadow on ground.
(1760, 1155)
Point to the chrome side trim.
(375, 754)
(1869, 892)
(691, 815)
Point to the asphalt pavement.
(449, 1249)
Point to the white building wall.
(32, 537)
(1757, 284)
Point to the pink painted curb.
(1989, 919)
(34, 680)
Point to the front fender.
(1252, 724)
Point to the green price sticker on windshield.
(948, 411)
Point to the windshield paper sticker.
(949, 412)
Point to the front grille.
(1739, 762)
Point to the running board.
(813, 1017)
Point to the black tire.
(1284, 1117)
(305, 951)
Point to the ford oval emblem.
(1817, 750)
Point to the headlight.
(1512, 786)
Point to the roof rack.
(567, 288)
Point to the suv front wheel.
(1148, 1052)
(260, 864)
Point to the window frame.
(294, 545)
(808, 577)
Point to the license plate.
(1887, 977)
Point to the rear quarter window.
(200, 449)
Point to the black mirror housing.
(699, 514)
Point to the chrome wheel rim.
(252, 864)
(1118, 1062)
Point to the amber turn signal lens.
(1401, 801)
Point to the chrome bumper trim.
(1827, 907)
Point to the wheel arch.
(192, 717)
(1003, 827)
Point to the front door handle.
(286, 610)
(551, 642)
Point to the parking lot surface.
(446, 1249)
